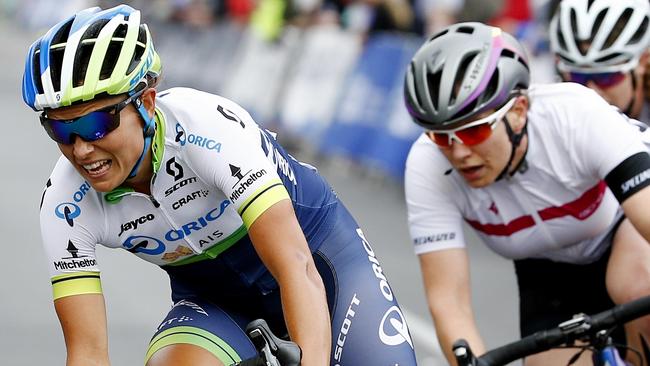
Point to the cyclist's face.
(621, 91)
(107, 162)
(481, 164)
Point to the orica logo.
(183, 138)
(141, 244)
(67, 211)
(395, 331)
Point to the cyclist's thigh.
(368, 326)
(628, 271)
(204, 330)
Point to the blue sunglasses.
(602, 80)
(90, 127)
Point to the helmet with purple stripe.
(461, 72)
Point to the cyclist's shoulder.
(195, 106)
(424, 153)
(66, 194)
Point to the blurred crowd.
(325, 74)
(525, 18)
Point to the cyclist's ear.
(517, 114)
(149, 100)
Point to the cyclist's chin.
(104, 183)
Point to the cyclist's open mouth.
(471, 173)
(97, 168)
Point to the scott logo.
(140, 244)
(67, 211)
(398, 331)
(174, 169)
(204, 142)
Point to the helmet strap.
(515, 141)
(147, 132)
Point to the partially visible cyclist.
(188, 181)
(603, 44)
(551, 176)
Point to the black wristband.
(630, 176)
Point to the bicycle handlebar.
(580, 327)
(272, 351)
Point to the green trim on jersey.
(76, 284)
(195, 336)
(157, 153)
(214, 250)
(158, 145)
(265, 197)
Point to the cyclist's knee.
(183, 354)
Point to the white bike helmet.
(600, 35)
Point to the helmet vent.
(468, 30)
(596, 27)
(467, 110)
(57, 49)
(411, 77)
(491, 87)
(460, 75)
(37, 68)
(441, 33)
(638, 35)
(433, 81)
(84, 50)
(618, 28)
(113, 52)
(560, 39)
(139, 49)
(589, 4)
(608, 57)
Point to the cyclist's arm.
(281, 244)
(636, 210)
(447, 285)
(83, 321)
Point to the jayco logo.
(133, 224)
(183, 138)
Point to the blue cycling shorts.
(368, 326)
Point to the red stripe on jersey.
(581, 208)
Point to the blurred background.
(326, 75)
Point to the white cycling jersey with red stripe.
(559, 207)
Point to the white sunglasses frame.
(492, 120)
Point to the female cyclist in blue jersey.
(551, 176)
(603, 44)
(188, 181)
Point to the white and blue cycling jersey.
(215, 172)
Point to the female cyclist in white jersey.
(188, 181)
(603, 44)
(551, 176)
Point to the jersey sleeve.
(600, 136)
(67, 234)
(434, 219)
(231, 156)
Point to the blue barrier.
(371, 125)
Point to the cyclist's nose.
(81, 148)
(459, 150)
